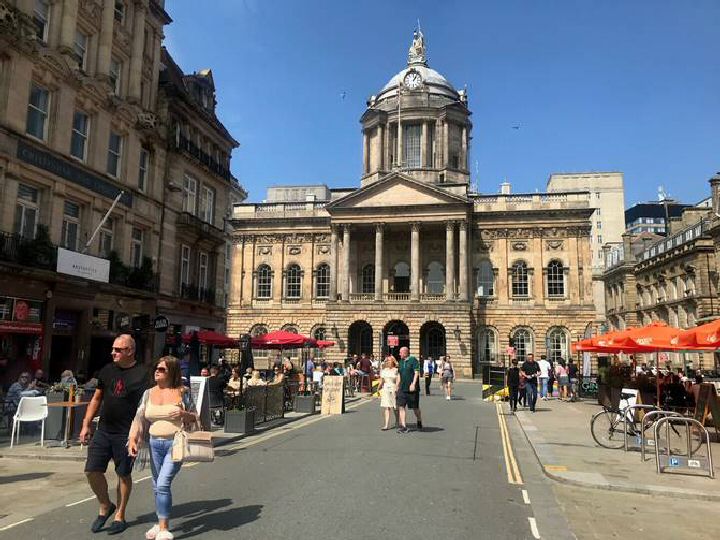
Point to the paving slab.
(559, 433)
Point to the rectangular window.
(203, 263)
(412, 135)
(136, 247)
(114, 155)
(26, 211)
(120, 11)
(115, 76)
(41, 18)
(78, 141)
(37, 113)
(599, 239)
(599, 224)
(71, 226)
(190, 195)
(144, 169)
(184, 265)
(107, 232)
(207, 204)
(80, 47)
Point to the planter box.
(304, 404)
(55, 421)
(240, 421)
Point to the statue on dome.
(416, 54)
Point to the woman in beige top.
(163, 410)
(387, 388)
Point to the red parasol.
(210, 337)
(282, 340)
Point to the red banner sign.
(393, 341)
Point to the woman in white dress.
(387, 388)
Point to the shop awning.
(16, 327)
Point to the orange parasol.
(705, 337)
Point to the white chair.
(30, 409)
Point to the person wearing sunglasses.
(163, 410)
(121, 384)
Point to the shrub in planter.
(240, 420)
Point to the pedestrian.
(552, 380)
(573, 377)
(522, 397)
(544, 366)
(408, 391)
(530, 371)
(563, 380)
(428, 371)
(121, 384)
(513, 383)
(388, 389)
(162, 412)
(448, 376)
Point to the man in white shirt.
(544, 366)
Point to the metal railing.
(667, 421)
(646, 420)
(629, 412)
(191, 291)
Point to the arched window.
(319, 333)
(401, 277)
(290, 328)
(557, 344)
(293, 282)
(322, 281)
(257, 331)
(520, 280)
(522, 341)
(435, 278)
(264, 282)
(485, 279)
(556, 279)
(368, 279)
(487, 345)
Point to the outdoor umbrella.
(323, 344)
(209, 337)
(281, 339)
(705, 337)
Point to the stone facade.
(413, 257)
(82, 119)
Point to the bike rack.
(630, 411)
(649, 416)
(687, 422)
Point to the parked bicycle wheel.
(607, 429)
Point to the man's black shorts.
(411, 400)
(106, 446)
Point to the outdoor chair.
(30, 409)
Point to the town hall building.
(414, 256)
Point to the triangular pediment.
(397, 190)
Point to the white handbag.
(189, 446)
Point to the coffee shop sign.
(81, 265)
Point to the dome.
(433, 81)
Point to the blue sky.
(594, 85)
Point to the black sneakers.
(403, 429)
(419, 426)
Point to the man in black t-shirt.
(530, 371)
(120, 387)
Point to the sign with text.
(333, 397)
(393, 341)
(84, 266)
(161, 323)
(200, 393)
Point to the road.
(341, 477)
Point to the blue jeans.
(164, 470)
(531, 394)
(543, 386)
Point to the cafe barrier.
(681, 464)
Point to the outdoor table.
(69, 406)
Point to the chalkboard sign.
(707, 404)
(333, 397)
(201, 396)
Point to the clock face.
(413, 81)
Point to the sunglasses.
(160, 369)
(119, 349)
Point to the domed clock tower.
(430, 142)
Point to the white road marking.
(6, 527)
(80, 502)
(533, 528)
(526, 499)
(141, 479)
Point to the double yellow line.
(513, 471)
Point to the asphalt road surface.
(342, 478)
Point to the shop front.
(21, 337)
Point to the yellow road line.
(513, 471)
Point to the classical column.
(136, 57)
(463, 158)
(400, 145)
(415, 261)
(379, 229)
(67, 28)
(366, 153)
(156, 39)
(381, 147)
(462, 261)
(106, 38)
(346, 262)
(424, 145)
(446, 145)
(333, 262)
(450, 260)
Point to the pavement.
(330, 477)
(559, 434)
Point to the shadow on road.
(200, 517)
(23, 477)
